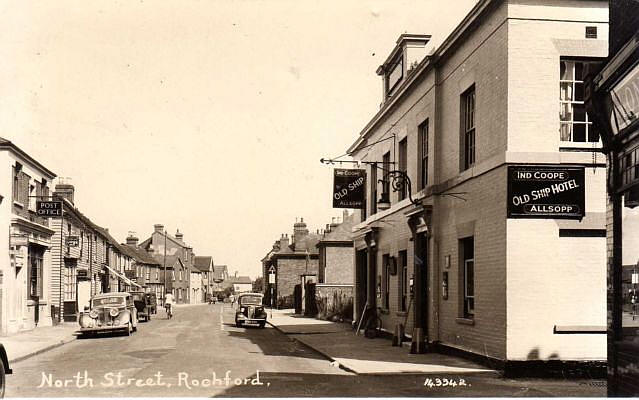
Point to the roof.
(203, 263)
(141, 255)
(310, 241)
(7, 144)
(145, 243)
(219, 271)
(341, 232)
(239, 279)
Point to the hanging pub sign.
(49, 209)
(349, 188)
(546, 192)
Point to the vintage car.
(142, 306)
(151, 303)
(250, 310)
(4, 369)
(109, 312)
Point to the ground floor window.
(467, 247)
(386, 281)
(70, 279)
(35, 262)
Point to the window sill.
(465, 321)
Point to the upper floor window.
(373, 190)
(33, 193)
(423, 155)
(395, 74)
(386, 165)
(403, 150)
(575, 125)
(16, 182)
(468, 127)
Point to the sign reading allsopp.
(349, 188)
(546, 192)
(49, 208)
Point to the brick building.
(179, 260)
(452, 256)
(26, 250)
(147, 269)
(336, 271)
(205, 265)
(294, 263)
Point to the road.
(201, 353)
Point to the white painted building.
(25, 249)
(503, 91)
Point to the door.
(361, 285)
(36, 255)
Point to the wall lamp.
(399, 181)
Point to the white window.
(575, 125)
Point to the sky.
(205, 116)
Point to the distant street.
(178, 357)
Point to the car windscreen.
(109, 301)
(250, 300)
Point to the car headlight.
(93, 314)
(114, 312)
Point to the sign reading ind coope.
(546, 192)
(348, 188)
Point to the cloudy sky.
(207, 116)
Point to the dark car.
(151, 302)
(250, 310)
(141, 305)
(4, 369)
(109, 312)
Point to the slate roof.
(141, 255)
(341, 232)
(219, 271)
(203, 263)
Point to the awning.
(124, 278)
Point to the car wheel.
(262, 324)
(2, 379)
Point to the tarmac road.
(199, 352)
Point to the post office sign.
(49, 209)
(546, 192)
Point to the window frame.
(574, 83)
(468, 285)
(402, 158)
(386, 282)
(468, 126)
(423, 153)
(403, 298)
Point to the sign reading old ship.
(546, 192)
(348, 188)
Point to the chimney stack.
(179, 236)
(159, 228)
(299, 234)
(283, 241)
(64, 191)
(132, 240)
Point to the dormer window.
(395, 74)
(409, 51)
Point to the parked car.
(250, 310)
(4, 369)
(152, 303)
(109, 312)
(141, 305)
(212, 299)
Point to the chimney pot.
(158, 228)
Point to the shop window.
(575, 125)
(403, 280)
(468, 127)
(403, 150)
(467, 269)
(423, 155)
(36, 255)
(70, 278)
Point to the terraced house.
(497, 248)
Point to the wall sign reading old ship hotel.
(499, 248)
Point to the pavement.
(358, 354)
(23, 345)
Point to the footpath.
(23, 345)
(358, 354)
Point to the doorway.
(361, 282)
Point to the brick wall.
(339, 264)
(289, 271)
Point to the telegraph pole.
(164, 294)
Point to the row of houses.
(482, 229)
(54, 261)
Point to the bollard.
(398, 336)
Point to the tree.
(258, 285)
